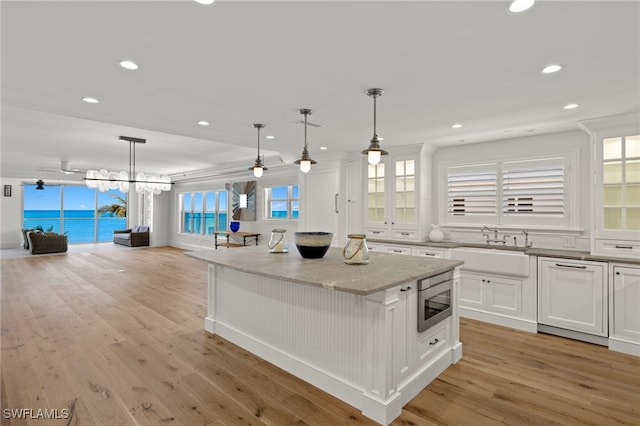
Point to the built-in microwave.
(434, 299)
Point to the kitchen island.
(350, 330)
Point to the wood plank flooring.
(120, 336)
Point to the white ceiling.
(235, 63)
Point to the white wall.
(533, 146)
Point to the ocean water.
(80, 226)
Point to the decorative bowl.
(313, 245)
(234, 226)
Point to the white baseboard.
(517, 323)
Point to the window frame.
(290, 200)
(568, 219)
(203, 211)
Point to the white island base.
(363, 349)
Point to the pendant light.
(40, 185)
(374, 151)
(305, 161)
(258, 168)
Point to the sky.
(75, 198)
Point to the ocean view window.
(85, 215)
(283, 202)
(203, 212)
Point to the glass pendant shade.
(374, 157)
(374, 152)
(305, 166)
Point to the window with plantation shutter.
(527, 192)
(534, 188)
(472, 191)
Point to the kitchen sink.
(494, 261)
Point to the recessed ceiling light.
(90, 100)
(130, 65)
(518, 6)
(571, 106)
(270, 137)
(324, 148)
(204, 1)
(550, 69)
(203, 123)
(456, 125)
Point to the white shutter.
(534, 188)
(472, 190)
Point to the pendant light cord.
(375, 134)
(258, 143)
(305, 131)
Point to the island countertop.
(385, 270)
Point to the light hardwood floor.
(119, 334)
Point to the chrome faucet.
(495, 235)
(527, 243)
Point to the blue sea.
(80, 226)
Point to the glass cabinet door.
(375, 193)
(405, 192)
(621, 183)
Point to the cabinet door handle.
(336, 203)
(405, 233)
(406, 289)
(560, 265)
(397, 251)
(434, 341)
(617, 273)
(624, 247)
(429, 254)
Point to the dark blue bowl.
(234, 226)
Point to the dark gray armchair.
(134, 237)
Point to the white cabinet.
(500, 298)
(624, 306)
(404, 326)
(319, 204)
(616, 185)
(393, 198)
(572, 295)
(491, 293)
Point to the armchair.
(133, 237)
(41, 243)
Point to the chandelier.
(104, 180)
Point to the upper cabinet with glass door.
(393, 198)
(616, 185)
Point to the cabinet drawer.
(376, 233)
(397, 249)
(428, 252)
(404, 234)
(432, 340)
(617, 248)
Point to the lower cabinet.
(624, 306)
(491, 293)
(573, 295)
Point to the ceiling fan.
(64, 168)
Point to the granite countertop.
(532, 251)
(385, 270)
